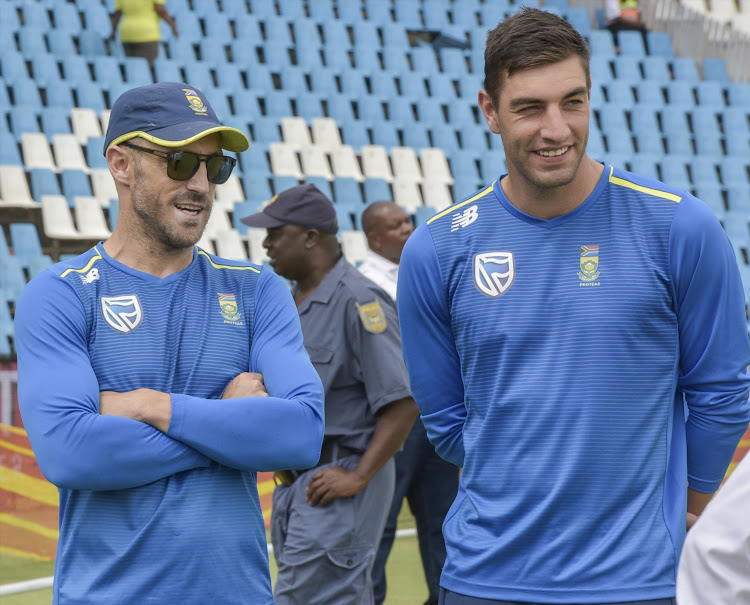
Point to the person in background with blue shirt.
(156, 379)
(555, 326)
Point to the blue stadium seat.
(322, 183)
(243, 209)
(25, 240)
(650, 144)
(26, 92)
(292, 79)
(255, 160)
(217, 27)
(322, 11)
(627, 68)
(75, 69)
(91, 43)
(385, 134)
(595, 147)
(705, 121)
(407, 13)
(55, 121)
(383, 84)
(96, 18)
(703, 171)
(453, 61)
(685, 68)
(266, 130)
(674, 120)
(656, 68)
(257, 187)
(395, 59)
(415, 135)
(259, 77)
(167, 70)
(199, 75)
(474, 137)
(60, 95)
(738, 94)
(308, 105)
(709, 144)
(94, 156)
(613, 120)
(412, 86)
(674, 171)
(353, 83)
(75, 183)
(461, 112)
(659, 44)
(46, 71)
(340, 109)
(491, 13)
(737, 143)
(310, 59)
(43, 182)
(248, 29)
(712, 196)
(91, 95)
(579, 18)
(424, 60)
(680, 94)
(710, 93)
(464, 163)
(31, 40)
(734, 171)
(736, 119)
(106, 70)
(422, 214)
(24, 118)
(137, 71)
(277, 32)
(370, 109)
(376, 190)
(735, 224)
(12, 281)
(601, 68)
(602, 44)
(9, 153)
(646, 165)
(13, 66)
(4, 251)
(715, 69)
(444, 136)
(182, 49)
(60, 43)
(282, 183)
(644, 121)
(679, 143)
(354, 133)
(631, 44)
(441, 87)
(430, 111)
(323, 81)
(620, 143)
(738, 198)
(620, 94)
(66, 18)
(347, 193)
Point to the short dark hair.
(530, 38)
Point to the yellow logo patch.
(195, 101)
(228, 307)
(373, 317)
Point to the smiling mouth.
(552, 153)
(189, 210)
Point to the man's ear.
(119, 163)
(312, 237)
(489, 111)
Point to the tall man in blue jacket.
(555, 325)
(155, 379)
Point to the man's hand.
(333, 482)
(247, 384)
(143, 405)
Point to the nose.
(199, 181)
(266, 242)
(554, 126)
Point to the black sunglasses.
(182, 165)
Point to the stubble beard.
(148, 209)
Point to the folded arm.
(58, 393)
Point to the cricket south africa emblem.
(228, 307)
(589, 264)
(494, 273)
(195, 101)
(123, 313)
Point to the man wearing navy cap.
(156, 379)
(326, 522)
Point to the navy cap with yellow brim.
(171, 114)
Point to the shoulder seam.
(85, 268)
(473, 198)
(216, 265)
(673, 197)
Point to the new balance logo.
(465, 218)
(91, 276)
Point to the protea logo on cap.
(195, 101)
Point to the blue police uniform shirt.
(550, 359)
(351, 332)
(148, 517)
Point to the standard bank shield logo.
(123, 313)
(494, 273)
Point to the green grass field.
(406, 585)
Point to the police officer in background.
(428, 482)
(327, 522)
